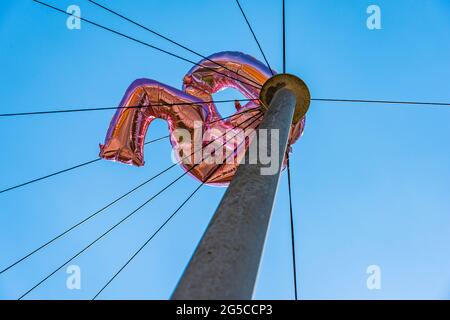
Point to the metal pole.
(226, 261)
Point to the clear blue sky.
(371, 183)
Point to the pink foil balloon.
(146, 100)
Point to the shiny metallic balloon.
(192, 111)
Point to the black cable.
(50, 175)
(218, 101)
(294, 269)
(385, 101)
(65, 170)
(284, 37)
(254, 36)
(144, 43)
(170, 40)
(292, 229)
(125, 107)
(128, 216)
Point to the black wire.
(254, 36)
(50, 175)
(129, 215)
(292, 229)
(384, 101)
(284, 38)
(144, 43)
(224, 101)
(65, 170)
(294, 269)
(125, 107)
(170, 40)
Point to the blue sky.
(371, 183)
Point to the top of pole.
(293, 83)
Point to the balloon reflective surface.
(197, 132)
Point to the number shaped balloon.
(146, 100)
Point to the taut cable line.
(291, 215)
(124, 107)
(424, 103)
(68, 169)
(284, 34)
(420, 103)
(254, 37)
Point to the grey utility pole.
(226, 261)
